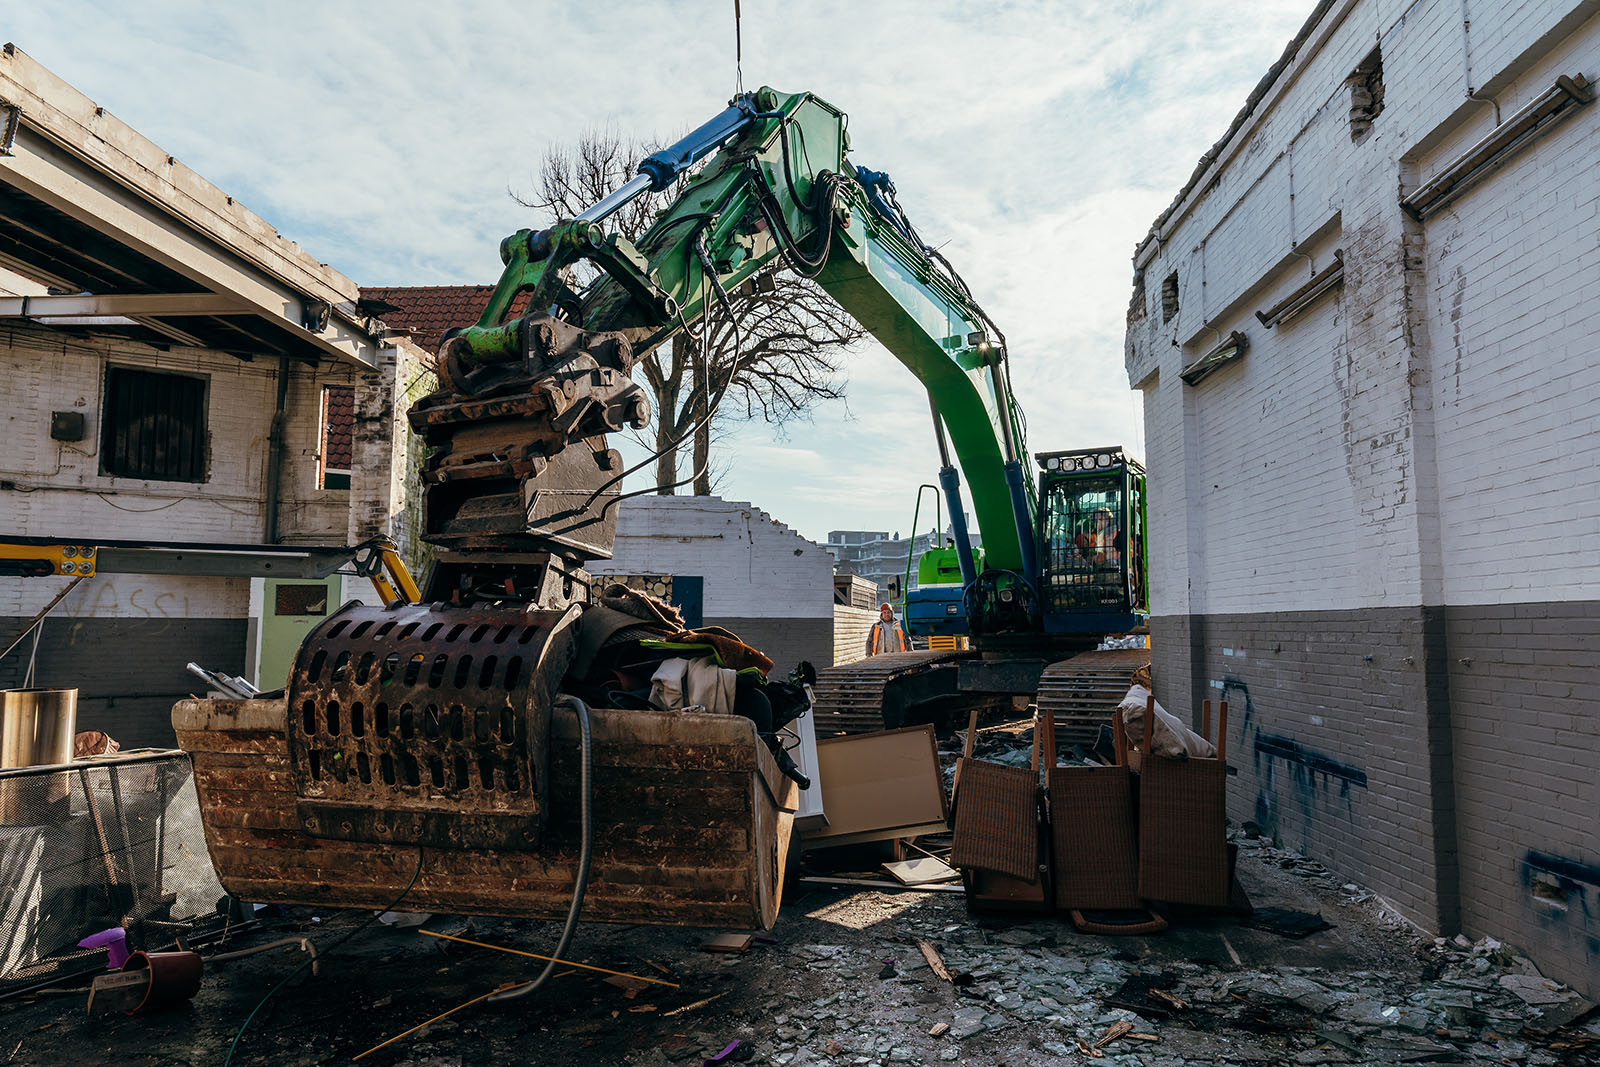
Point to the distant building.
(878, 557)
(1365, 336)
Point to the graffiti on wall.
(1313, 780)
(1565, 895)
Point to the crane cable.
(738, 53)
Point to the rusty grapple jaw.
(427, 725)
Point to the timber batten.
(691, 825)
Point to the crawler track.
(1083, 690)
(850, 697)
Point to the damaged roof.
(427, 311)
(108, 233)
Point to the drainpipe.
(275, 436)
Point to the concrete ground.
(840, 981)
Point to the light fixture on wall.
(1232, 347)
(1478, 162)
(1303, 297)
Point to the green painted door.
(292, 606)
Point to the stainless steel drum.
(36, 728)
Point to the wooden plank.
(879, 781)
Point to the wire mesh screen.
(1084, 546)
(94, 845)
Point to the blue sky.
(1033, 142)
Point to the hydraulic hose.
(586, 796)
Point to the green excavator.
(432, 724)
(780, 190)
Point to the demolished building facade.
(172, 369)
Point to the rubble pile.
(1034, 991)
(1042, 990)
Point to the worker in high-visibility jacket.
(886, 634)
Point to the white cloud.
(1033, 141)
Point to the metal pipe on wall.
(275, 435)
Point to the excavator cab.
(1091, 539)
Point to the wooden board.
(879, 783)
(922, 870)
(691, 825)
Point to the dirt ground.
(840, 981)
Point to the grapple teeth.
(426, 724)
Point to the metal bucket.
(36, 729)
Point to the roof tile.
(429, 310)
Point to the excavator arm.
(520, 463)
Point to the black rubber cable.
(585, 800)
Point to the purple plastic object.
(721, 1056)
(114, 941)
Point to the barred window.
(153, 426)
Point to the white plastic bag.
(1172, 738)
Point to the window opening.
(338, 433)
(1366, 95)
(153, 426)
(1084, 545)
(1169, 297)
(300, 600)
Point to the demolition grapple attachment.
(427, 724)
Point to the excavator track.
(850, 697)
(1083, 691)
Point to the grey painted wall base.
(128, 672)
(786, 641)
(1445, 757)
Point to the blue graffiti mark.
(1308, 769)
(1305, 767)
(1565, 881)
(1235, 685)
(1313, 762)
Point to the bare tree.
(779, 354)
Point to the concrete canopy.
(122, 238)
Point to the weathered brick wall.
(1384, 474)
(59, 487)
(1522, 682)
(123, 639)
(1335, 756)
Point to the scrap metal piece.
(426, 724)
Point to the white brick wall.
(57, 490)
(1391, 502)
(753, 565)
(1290, 481)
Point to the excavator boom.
(777, 189)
